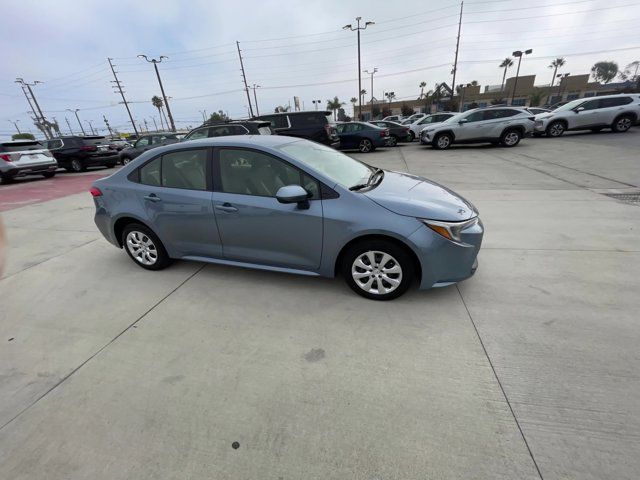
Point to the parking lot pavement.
(527, 370)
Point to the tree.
(334, 105)
(498, 101)
(604, 71)
(506, 63)
(23, 136)
(342, 115)
(406, 110)
(535, 98)
(158, 103)
(375, 111)
(556, 64)
(630, 72)
(422, 85)
(218, 116)
(390, 96)
(474, 83)
(281, 109)
(386, 111)
(353, 101)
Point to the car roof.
(239, 140)
(323, 112)
(23, 141)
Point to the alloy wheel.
(376, 272)
(393, 141)
(126, 160)
(365, 146)
(623, 124)
(511, 138)
(443, 141)
(556, 129)
(141, 247)
(76, 165)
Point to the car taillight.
(384, 133)
(406, 129)
(89, 148)
(5, 156)
(95, 192)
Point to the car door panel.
(585, 118)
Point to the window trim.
(217, 172)
(134, 176)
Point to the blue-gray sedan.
(288, 205)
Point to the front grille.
(630, 198)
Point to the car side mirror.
(463, 120)
(293, 194)
(579, 109)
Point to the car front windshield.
(337, 166)
(456, 117)
(570, 105)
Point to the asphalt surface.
(528, 370)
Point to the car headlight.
(450, 230)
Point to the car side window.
(591, 105)
(221, 131)
(185, 169)
(250, 172)
(614, 102)
(202, 133)
(475, 116)
(277, 121)
(239, 130)
(143, 142)
(150, 173)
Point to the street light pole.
(519, 54)
(255, 98)
(204, 116)
(77, 118)
(91, 127)
(372, 73)
(15, 124)
(68, 125)
(357, 29)
(164, 96)
(316, 103)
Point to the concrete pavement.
(527, 370)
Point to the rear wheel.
(77, 165)
(144, 247)
(378, 269)
(365, 145)
(393, 141)
(49, 174)
(442, 141)
(412, 136)
(556, 129)
(510, 138)
(622, 123)
(125, 160)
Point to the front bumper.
(540, 126)
(444, 262)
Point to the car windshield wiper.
(370, 181)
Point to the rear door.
(610, 108)
(175, 193)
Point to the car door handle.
(226, 207)
(152, 197)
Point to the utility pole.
(244, 79)
(93, 132)
(204, 115)
(166, 102)
(357, 29)
(146, 127)
(68, 125)
(108, 126)
(372, 73)
(118, 85)
(255, 98)
(77, 118)
(455, 61)
(42, 120)
(15, 124)
(519, 54)
(154, 123)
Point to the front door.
(472, 128)
(254, 226)
(176, 198)
(586, 117)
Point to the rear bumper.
(14, 172)
(102, 160)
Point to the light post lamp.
(357, 29)
(77, 118)
(519, 54)
(316, 103)
(372, 73)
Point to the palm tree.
(334, 105)
(474, 83)
(556, 64)
(281, 109)
(158, 103)
(353, 101)
(390, 96)
(506, 63)
(422, 85)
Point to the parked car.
(118, 144)
(312, 125)
(76, 154)
(362, 136)
(20, 158)
(394, 118)
(416, 116)
(397, 132)
(617, 112)
(418, 125)
(230, 128)
(504, 125)
(147, 142)
(288, 205)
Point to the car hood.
(418, 197)
(543, 116)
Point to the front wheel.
(510, 138)
(365, 146)
(77, 166)
(144, 247)
(442, 141)
(622, 124)
(378, 269)
(125, 160)
(555, 129)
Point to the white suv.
(496, 125)
(617, 112)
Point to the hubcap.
(556, 129)
(443, 142)
(142, 248)
(511, 138)
(76, 165)
(376, 272)
(125, 161)
(624, 124)
(365, 146)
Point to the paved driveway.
(528, 370)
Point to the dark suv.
(230, 128)
(313, 125)
(147, 142)
(76, 153)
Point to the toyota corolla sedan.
(288, 205)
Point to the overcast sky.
(290, 48)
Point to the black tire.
(126, 160)
(49, 174)
(412, 136)
(556, 129)
(510, 138)
(442, 141)
(6, 179)
(77, 166)
(596, 129)
(393, 141)
(398, 257)
(622, 124)
(365, 146)
(153, 246)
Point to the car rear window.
(94, 140)
(20, 146)
(277, 121)
(309, 119)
